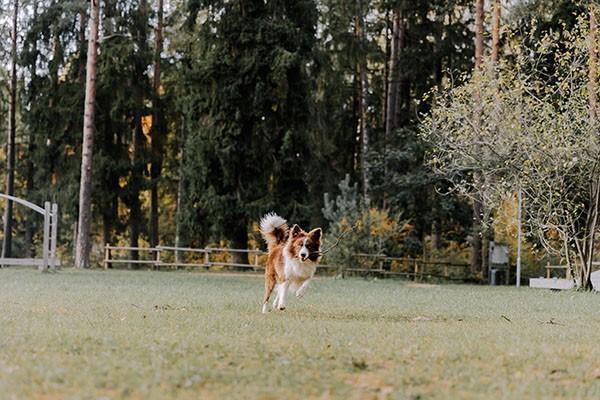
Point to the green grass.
(151, 335)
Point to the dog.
(292, 259)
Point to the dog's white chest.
(295, 269)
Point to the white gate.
(50, 213)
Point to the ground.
(155, 335)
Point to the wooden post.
(416, 270)
(206, 258)
(157, 261)
(46, 236)
(519, 236)
(54, 233)
(548, 270)
(106, 255)
(446, 271)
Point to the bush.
(360, 229)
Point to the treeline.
(210, 113)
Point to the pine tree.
(10, 144)
(247, 86)
(82, 249)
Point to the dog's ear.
(315, 234)
(295, 230)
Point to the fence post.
(416, 270)
(206, 257)
(106, 255)
(53, 236)
(157, 263)
(46, 236)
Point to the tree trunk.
(593, 71)
(363, 132)
(392, 93)
(82, 27)
(386, 70)
(29, 167)
(436, 234)
(135, 214)
(106, 228)
(479, 4)
(10, 142)
(592, 90)
(497, 14)
(157, 134)
(240, 240)
(82, 247)
(180, 189)
(476, 245)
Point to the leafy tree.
(542, 138)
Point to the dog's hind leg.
(269, 285)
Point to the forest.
(391, 116)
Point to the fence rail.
(416, 268)
(168, 256)
(205, 258)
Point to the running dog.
(292, 259)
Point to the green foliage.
(360, 228)
(533, 130)
(247, 85)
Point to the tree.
(478, 207)
(247, 85)
(496, 19)
(82, 249)
(536, 131)
(10, 144)
(157, 129)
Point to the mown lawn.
(154, 335)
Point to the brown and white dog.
(292, 259)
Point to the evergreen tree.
(248, 93)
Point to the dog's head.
(305, 246)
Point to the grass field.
(151, 335)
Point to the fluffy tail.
(274, 229)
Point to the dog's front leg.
(283, 288)
(302, 289)
(276, 298)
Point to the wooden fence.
(365, 264)
(415, 268)
(170, 256)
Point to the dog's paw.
(300, 293)
(281, 308)
(265, 309)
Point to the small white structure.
(551, 283)
(595, 277)
(50, 213)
